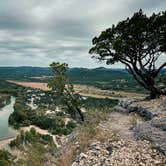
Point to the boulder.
(120, 109)
(159, 123)
(157, 137)
(146, 113)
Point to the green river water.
(5, 130)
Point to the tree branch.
(130, 70)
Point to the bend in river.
(5, 130)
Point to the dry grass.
(84, 90)
(35, 85)
(103, 136)
(67, 157)
(87, 90)
(133, 119)
(85, 135)
(85, 138)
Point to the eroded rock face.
(143, 112)
(159, 123)
(120, 109)
(154, 114)
(157, 137)
(125, 102)
(139, 147)
(131, 105)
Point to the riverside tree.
(138, 43)
(61, 87)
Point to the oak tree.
(138, 43)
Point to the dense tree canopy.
(137, 42)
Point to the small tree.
(61, 87)
(136, 42)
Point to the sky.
(38, 32)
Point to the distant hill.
(97, 74)
(104, 78)
(74, 73)
(24, 72)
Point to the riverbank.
(4, 143)
(4, 100)
(5, 130)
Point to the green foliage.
(9, 88)
(4, 99)
(24, 116)
(163, 79)
(60, 86)
(71, 125)
(5, 158)
(24, 73)
(19, 117)
(103, 78)
(55, 125)
(59, 82)
(136, 42)
(100, 104)
(30, 137)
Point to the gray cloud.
(149, 4)
(37, 32)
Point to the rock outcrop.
(154, 114)
(138, 145)
(131, 105)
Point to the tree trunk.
(76, 110)
(81, 114)
(155, 91)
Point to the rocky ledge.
(153, 128)
(138, 145)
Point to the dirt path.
(4, 144)
(120, 124)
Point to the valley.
(38, 114)
(82, 83)
(84, 90)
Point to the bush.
(14, 143)
(5, 158)
(47, 138)
(30, 137)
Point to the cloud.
(37, 32)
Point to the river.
(5, 130)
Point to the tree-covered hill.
(75, 73)
(104, 78)
(97, 74)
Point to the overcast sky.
(37, 32)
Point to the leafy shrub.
(5, 158)
(30, 137)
